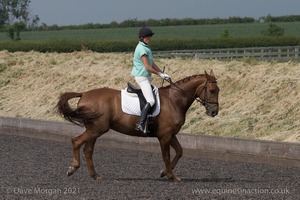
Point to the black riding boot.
(141, 126)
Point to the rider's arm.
(154, 69)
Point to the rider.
(143, 67)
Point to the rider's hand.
(165, 76)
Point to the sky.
(76, 12)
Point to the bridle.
(205, 101)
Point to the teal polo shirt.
(139, 68)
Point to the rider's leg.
(144, 83)
(141, 126)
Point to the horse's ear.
(212, 73)
(206, 74)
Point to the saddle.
(131, 89)
(133, 101)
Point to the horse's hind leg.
(77, 143)
(88, 152)
(178, 150)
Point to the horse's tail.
(79, 115)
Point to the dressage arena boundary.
(199, 146)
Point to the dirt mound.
(257, 99)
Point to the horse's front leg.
(165, 149)
(88, 152)
(178, 150)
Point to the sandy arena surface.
(36, 169)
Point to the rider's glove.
(165, 76)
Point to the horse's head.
(208, 92)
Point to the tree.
(10, 31)
(225, 34)
(14, 10)
(19, 26)
(4, 14)
(14, 14)
(273, 30)
(34, 22)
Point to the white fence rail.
(262, 53)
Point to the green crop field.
(163, 32)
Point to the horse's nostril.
(214, 113)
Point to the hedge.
(63, 46)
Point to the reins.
(203, 102)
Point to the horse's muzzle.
(212, 111)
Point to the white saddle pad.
(131, 103)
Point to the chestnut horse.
(100, 110)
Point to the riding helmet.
(144, 32)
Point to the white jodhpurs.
(144, 83)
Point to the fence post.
(296, 52)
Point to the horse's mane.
(185, 80)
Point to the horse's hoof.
(96, 177)
(176, 179)
(162, 173)
(71, 171)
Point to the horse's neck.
(189, 86)
(186, 94)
